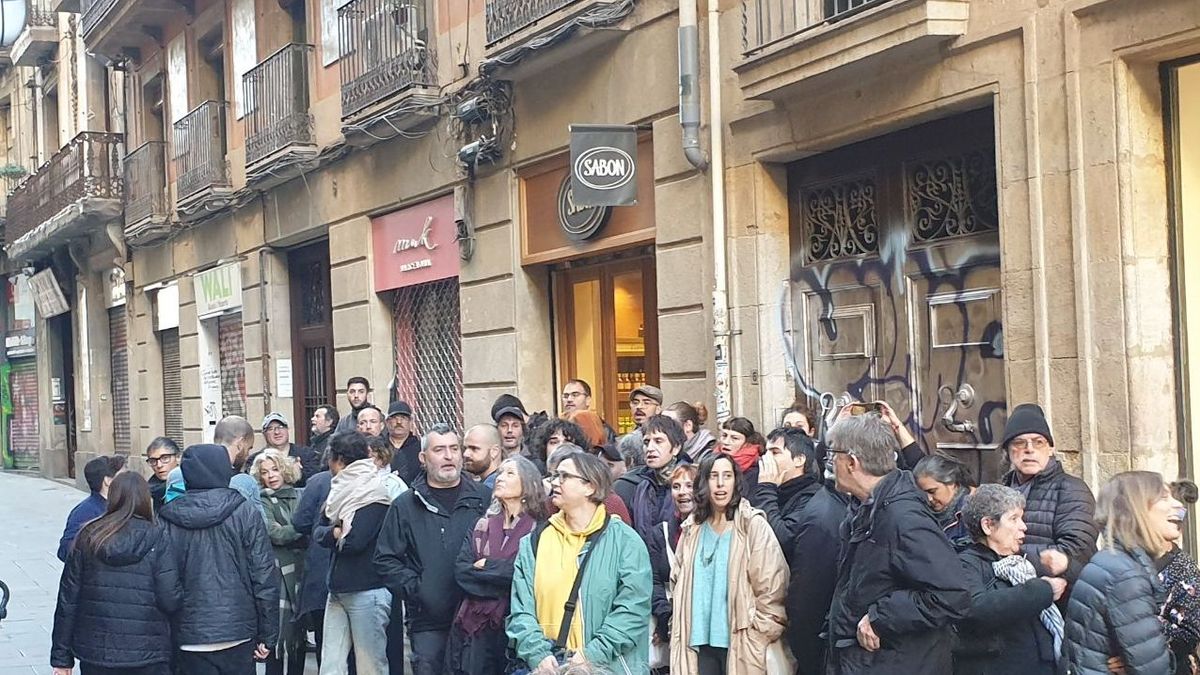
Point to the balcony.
(147, 215)
(387, 60)
(512, 24)
(278, 122)
(114, 27)
(789, 44)
(79, 188)
(39, 38)
(202, 174)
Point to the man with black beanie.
(230, 614)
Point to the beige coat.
(758, 581)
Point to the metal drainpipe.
(689, 84)
(723, 364)
(262, 325)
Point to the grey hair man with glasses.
(420, 540)
(900, 586)
(1059, 508)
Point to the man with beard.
(358, 390)
(237, 437)
(482, 454)
(509, 415)
(420, 541)
(645, 402)
(324, 421)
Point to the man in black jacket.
(420, 541)
(789, 476)
(663, 439)
(899, 583)
(406, 446)
(1060, 510)
(278, 436)
(162, 456)
(230, 613)
(324, 420)
(813, 560)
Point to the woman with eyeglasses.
(1059, 508)
(581, 583)
(730, 580)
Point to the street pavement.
(34, 512)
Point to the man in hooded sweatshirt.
(230, 613)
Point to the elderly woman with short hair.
(1012, 625)
(609, 628)
(277, 473)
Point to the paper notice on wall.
(283, 378)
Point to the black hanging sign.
(604, 165)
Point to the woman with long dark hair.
(484, 569)
(730, 581)
(117, 591)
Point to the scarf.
(1016, 570)
(355, 486)
(491, 541)
(747, 456)
(697, 448)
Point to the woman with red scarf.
(745, 446)
(478, 643)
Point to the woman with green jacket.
(610, 627)
(276, 472)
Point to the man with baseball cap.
(509, 415)
(406, 447)
(645, 402)
(278, 436)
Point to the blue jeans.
(357, 620)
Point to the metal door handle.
(965, 397)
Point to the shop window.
(607, 332)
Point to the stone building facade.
(957, 206)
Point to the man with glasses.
(278, 436)
(898, 575)
(577, 395)
(162, 455)
(1059, 508)
(420, 541)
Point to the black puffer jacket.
(1113, 611)
(1060, 513)
(418, 546)
(230, 580)
(896, 566)
(113, 605)
(784, 505)
(813, 560)
(1002, 633)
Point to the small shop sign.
(218, 290)
(603, 165)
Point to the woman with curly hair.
(278, 473)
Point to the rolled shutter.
(118, 349)
(172, 385)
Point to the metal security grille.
(23, 428)
(118, 350)
(429, 352)
(233, 365)
(172, 385)
(316, 380)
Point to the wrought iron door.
(895, 291)
(312, 335)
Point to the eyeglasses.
(572, 394)
(1037, 443)
(161, 459)
(562, 476)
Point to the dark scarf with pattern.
(499, 547)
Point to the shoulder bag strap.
(667, 544)
(569, 608)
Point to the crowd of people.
(545, 544)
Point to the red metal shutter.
(233, 365)
(429, 352)
(172, 385)
(118, 350)
(23, 427)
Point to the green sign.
(218, 290)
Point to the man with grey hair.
(900, 586)
(420, 540)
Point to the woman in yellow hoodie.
(610, 624)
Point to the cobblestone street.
(36, 510)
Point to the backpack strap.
(564, 630)
(536, 535)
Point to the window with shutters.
(23, 425)
(119, 362)
(172, 385)
(233, 365)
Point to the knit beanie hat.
(1027, 418)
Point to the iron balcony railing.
(40, 13)
(505, 17)
(93, 12)
(385, 49)
(765, 22)
(146, 183)
(200, 150)
(276, 99)
(89, 166)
